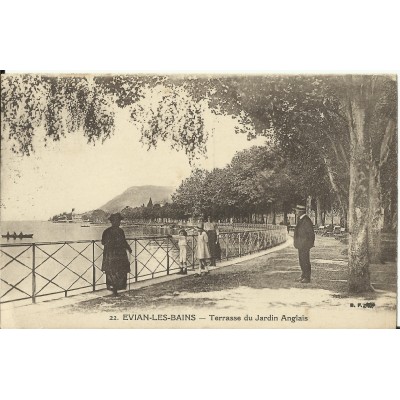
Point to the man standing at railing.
(304, 237)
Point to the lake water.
(46, 231)
(63, 268)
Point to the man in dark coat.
(304, 237)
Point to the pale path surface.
(262, 287)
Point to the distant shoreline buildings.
(69, 217)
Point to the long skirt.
(116, 280)
(203, 251)
(116, 267)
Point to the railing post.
(33, 274)
(93, 269)
(226, 245)
(250, 233)
(167, 256)
(193, 251)
(240, 247)
(136, 274)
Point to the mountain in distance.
(135, 196)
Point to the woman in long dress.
(115, 259)
(203, 252)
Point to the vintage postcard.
(198, 201)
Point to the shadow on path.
(269, 279)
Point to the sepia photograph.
(198, 200)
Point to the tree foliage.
(255, 179)
(67, 104)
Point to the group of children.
(203, 252)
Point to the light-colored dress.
(182, 243)
(203, 251)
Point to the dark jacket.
(304, 235)
(114, 254)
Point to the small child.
(203, 252)
(182, 243)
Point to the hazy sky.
(72, 174)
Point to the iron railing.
(34, 270)
(240, 226)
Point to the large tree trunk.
(344, 222)
(285, 217)
(318, 217)
(340, 197)
(308, 205)
(387, 219)
(393, 210)
(375, 216)
(359, 276)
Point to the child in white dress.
(203, 252)
(182, 243)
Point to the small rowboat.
(19, 236)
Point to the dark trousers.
(305, 264)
